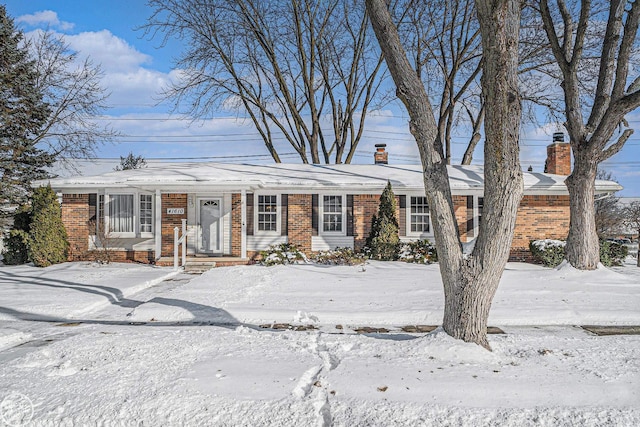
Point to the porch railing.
(177, 240)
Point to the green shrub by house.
(283, 253)
(383, 242)
(612, 253)
(548, 252)
(47, 236)
(419, 252)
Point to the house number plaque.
(175, 211)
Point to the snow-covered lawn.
(544, 371)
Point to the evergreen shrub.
(339, 256)
(47, 236)
(283, 253)
(16, 248)
(548, 252)
(418, 251)
(383, 242)
(612, 253)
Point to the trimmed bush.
(418, 251)
(47, 236)
(283, 253)
(16, 248)
(548, 252)
(339, 256)
(612, 253)
(383, 242)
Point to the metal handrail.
(180, 240)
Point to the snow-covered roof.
(199, 175)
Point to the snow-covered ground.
(98, 369)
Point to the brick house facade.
(239, 210)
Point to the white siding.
(325, 243)
(260, 243)
(126, 244)
(226, 224)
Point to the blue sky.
(136, 69)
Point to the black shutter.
(314, 215)
(249, 214)
(284, 215)
(93, 211)
(402, 221)
(350, 215)
(470, 216)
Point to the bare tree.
(290, 66)
(470, 281)
(608, 212)
(444, 41)
(73, 92)
(444, 45)
(632, 219)
(592, 116)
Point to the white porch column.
(158, 225)
(243, 215)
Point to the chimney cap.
(380, 145)
(558, 137)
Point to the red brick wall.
(171, 221)
(539, 217)
(236, 224)
(558, 159)
(300, 227)
(75, 217)
(365, 206)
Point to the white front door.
(210, 226)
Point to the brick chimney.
(381, 157)
(558, 156)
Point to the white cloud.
(111, 52)
(45, 17)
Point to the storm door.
(210, 226)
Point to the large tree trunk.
(469, 292)
(583, 245)
(469, 282)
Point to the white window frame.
(153, 214)
(321, 213)
(256, 213)
(136, 233)
(408, 230)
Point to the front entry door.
(210, 240)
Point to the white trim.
(256, 205)
(321, 231)
(243, 219)
(158, 227)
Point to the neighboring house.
(237, 210)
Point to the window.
(146, 213)
(267, 213)
(332, 214)
(419, 215)
(121, 213)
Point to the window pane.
(121, 213)
(332, 216)
(419, 215)
(267, 213)
(146, 213)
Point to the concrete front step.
(199, 265)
